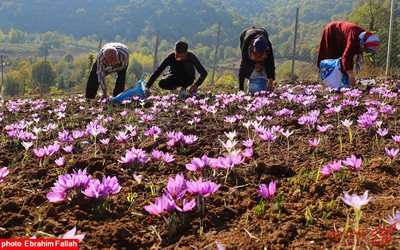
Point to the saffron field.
(304, 167)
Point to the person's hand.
(352, 80)
(270, 85)
(193, 89)
(104, 96)
(147, 93)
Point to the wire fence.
(302, 63)
(296, 54)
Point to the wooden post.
(44, 67)
(2, 74)
(216, 53)
(295, 41)
(156, 51)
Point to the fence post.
(156, 51)
(295, 41)
(216, 53)
(44, 66)
(389, 50)
(2, 74)
(100, 43)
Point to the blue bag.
(331, 74)
(133, 91)
(257, 84)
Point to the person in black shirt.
(257, 56)
(182, 65)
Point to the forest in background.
(70, 32)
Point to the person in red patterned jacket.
(345, 40)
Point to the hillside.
(194, 20)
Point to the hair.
(110, 52)
(181, 47)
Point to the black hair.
(181, 47)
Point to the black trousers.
(93, 83)
(171, 82)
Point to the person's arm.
(203, 74)
(241, 82)
(200, 68)
(348, 56)
(101, 74)
(159, 70)
(270, 63)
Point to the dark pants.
(171, 82)
(93, 82)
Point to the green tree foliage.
(374, 16)
(43, 74)
(17, 36)
(69, 59)
(61, 84)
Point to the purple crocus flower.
(60, 161)
(68, 149)
(64, 136)
(122, 136)
(56, 197)
(95, 190)
(267, 136)
(353, 162)
(111, 184)
(71, 234)
(157, 207)
(40, 153)
(198, 164)
(396, 138)
(248, 143)
(176, 188)
(3, 173)
(391, 153)
(187, 206)
(267, 192)
(314, 142)
(395, 219)
(203, 189)
(189, 139)
(156, 154)
(247, 153)
(105, 141)
(382, 132)
(326, 169)
(83, 177)
(166, 157)
(355, 201)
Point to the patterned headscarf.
(369, 42)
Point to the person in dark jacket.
(112, 57)
(345, 40)
(257, 56)
(182, 69)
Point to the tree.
(61, 82)
(69, 59)
(135, 68)
(43, 73)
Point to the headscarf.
(260, 44)
(369, 42)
